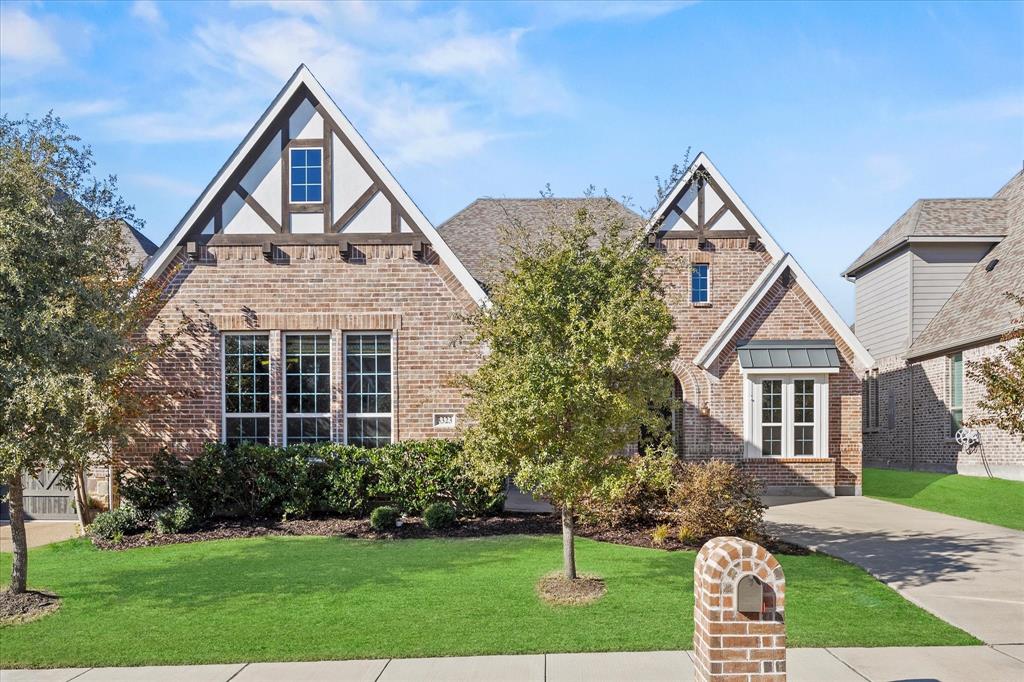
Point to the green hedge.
(259, 482)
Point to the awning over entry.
(788, 355)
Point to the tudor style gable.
(304, 174)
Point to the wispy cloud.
(163, 183)
(89, 107)
(147, 11)
(609, 10)
(28, 41)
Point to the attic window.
(307, 175)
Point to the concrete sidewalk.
(38, 533)
(967, 573)
(941, 664)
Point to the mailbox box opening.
(755, 598)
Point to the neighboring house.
(929, 300)
(768, 372)
(324, 306)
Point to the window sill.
(815, 459)
(705, 304)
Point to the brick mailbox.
(739, 607)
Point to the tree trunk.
(19, 566)
(568, 544)
(82, 499)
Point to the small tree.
(576, 353)
(71, 306)
(1002, 375)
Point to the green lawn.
(990, 500)
(307, 598)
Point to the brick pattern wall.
(729, 645)
(927, 444)
(305, 288)
(785, 313)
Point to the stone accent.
(926, 443)
(734, 646)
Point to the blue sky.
(829, 119)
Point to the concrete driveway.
(969, 574)
(38, 533)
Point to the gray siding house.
(930, 300)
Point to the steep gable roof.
(718, 340)
(476, 232)
(303, 78)
(690, 210)
(978, 312)
(140, 245)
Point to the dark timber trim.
(327, 174)
(355, 208)
(258, 208)
(357, 238)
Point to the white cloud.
(890, 172)
(84, 108)
(185, 125)
(26, 40)
(165, 184)
(477, 54)
(609, 10)
(147, 11)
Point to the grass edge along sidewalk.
(320, 598)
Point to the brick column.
(738, 613)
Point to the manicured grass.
(304, 598)
(990, 500)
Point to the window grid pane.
(803, 417)
(368, 389)
(956, 392)
(306, 174)
(699, 283)
(246, 388)
(771, 417)
(307, 384)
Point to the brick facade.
(306, 288)
(926, 442)
(786, 313)
(729, 642)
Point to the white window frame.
(344, 367)
(285, 414)
(224, 394)
(292, 150)
(951, 407)
(700, 304)
(752, 410)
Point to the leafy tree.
(576, 352)
(71, 304)
(1002, 375)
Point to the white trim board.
(770, 245)
(303, 76)
(756, 293)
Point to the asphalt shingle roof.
(940, 218)
(476, 233)
(978, 310)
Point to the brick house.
(768, 372)
(323, 305)
(930, 301)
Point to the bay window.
(786, 415)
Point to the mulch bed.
(21, 608)
(555, 588)
(506, 524)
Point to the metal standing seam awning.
(796, 354)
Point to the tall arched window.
(678, 422)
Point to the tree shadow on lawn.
(903, 559)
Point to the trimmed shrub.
(384, 518)
(176, 519)
(718, 498)
(113, 524)
(641, 494)
(439, 515)
(263, 482)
